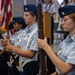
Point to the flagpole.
(42, 53)
(9, 54)
(6, 2)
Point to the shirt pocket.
(24, 42)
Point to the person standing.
(64, 3)
(3, 54)
(19, 25)
(64, 61)
(28, 52)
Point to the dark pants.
(31, 68)
(13, 69)
(50, 66)
(52, 34)
(3, 64)
(52, 25)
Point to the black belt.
(32, 63)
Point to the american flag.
(6, 13)
(9, 5)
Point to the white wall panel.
(18, 8)
(29, 2)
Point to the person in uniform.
(64, 61)
(28, 52)
(19, 25)
(4, 54)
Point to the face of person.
(17, 27)
(68, 24)
(29, 19)
(73, 0)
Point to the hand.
(9, 46)
(7, 36)
(42, 43)
(2, 52)
(3, 42)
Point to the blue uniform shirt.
(4, 36)
(32, 43)
(16, 38)
(67, 51)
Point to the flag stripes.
(9, 10)
(6, 13)
(3, 14)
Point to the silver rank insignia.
(63, 13)
(26, 9)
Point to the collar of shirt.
(30, 29)
(73, 37)
(70, 39)
(18, 32)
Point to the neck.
(31, 24)
(72, 33)
(17, 30)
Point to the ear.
(34, 17)
(20, 26)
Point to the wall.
(18, 8)
(29, 2)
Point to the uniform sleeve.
(1, 47)
(71, 57)
(33, 44)
(4, 35)
(17, 42)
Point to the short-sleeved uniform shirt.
(32, 43)
(67, 51)
(16, 38)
